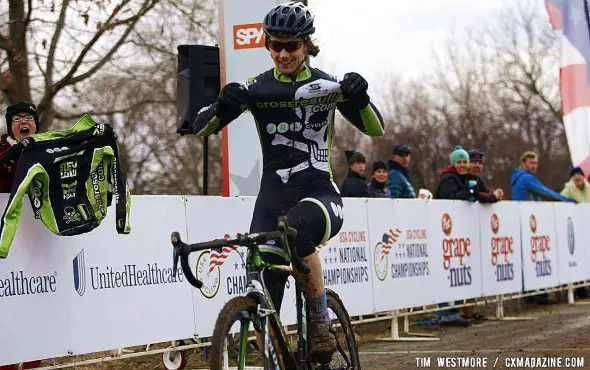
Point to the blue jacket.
(526, 186)
(398, 181)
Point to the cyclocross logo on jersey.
(248, 36)
(68, 169)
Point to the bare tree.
(71, 41)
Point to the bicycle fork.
(301, 328)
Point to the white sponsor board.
(501, 260)
(120, 288)
(539, 251)
(569, 242)
(346, 260)
(454, 241)
(244, 55)
(400, 254)
(33, 313)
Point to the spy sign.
(247, 36)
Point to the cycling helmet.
(289, 20)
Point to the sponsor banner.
(500, 248)
(569, 242)
(33, 314)
(244, 56)
(539, 251)
(401, 256)
(454, 241)
(346, 258)
(120, 287)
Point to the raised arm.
(357, 107)
(232, 101)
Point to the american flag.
(571, 23)
(218, 256)
(388, 241)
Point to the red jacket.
(7, 166)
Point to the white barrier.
(98, 291)
(501, 247)
(539, 254)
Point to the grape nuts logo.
(533, 223)
(571, 239)
(495, 223)
(446, 224)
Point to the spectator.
(355, 185)
(577, 188)
(398, 181)
(475, 171)
(21, 122)
(526, 186)
(455, 182)
(378, 186)
(453, 185)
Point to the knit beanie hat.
(575, 170)
(459, 153)
(379, 165)
(354, 156)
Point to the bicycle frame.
(266, 313)
(271, 319)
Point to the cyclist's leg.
(317, 219)
(265, 219)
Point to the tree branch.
(28, 18)
(69, 78)
(50, 57)
(64, 116)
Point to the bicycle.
(256, 308)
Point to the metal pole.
(205, 164)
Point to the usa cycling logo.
(79, 273)
(382, 250)
(208, 269)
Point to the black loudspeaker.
(197, 82)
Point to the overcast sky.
(373, 37)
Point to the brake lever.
(175, 238)
(181, 252)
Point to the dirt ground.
(559, 330)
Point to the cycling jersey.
(67, 175)
(295, 122)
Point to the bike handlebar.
(250, 240)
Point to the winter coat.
(379, 190)
(581, 195)
(7, 164)
(526, 186)
(455, 186)
(398, 181)
(355, 186)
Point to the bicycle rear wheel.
(242, 351)
(347, 356)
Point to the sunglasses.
(26, 118)
(289, 46)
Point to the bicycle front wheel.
(347, 355)
(233, 346)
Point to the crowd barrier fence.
(67, 296)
